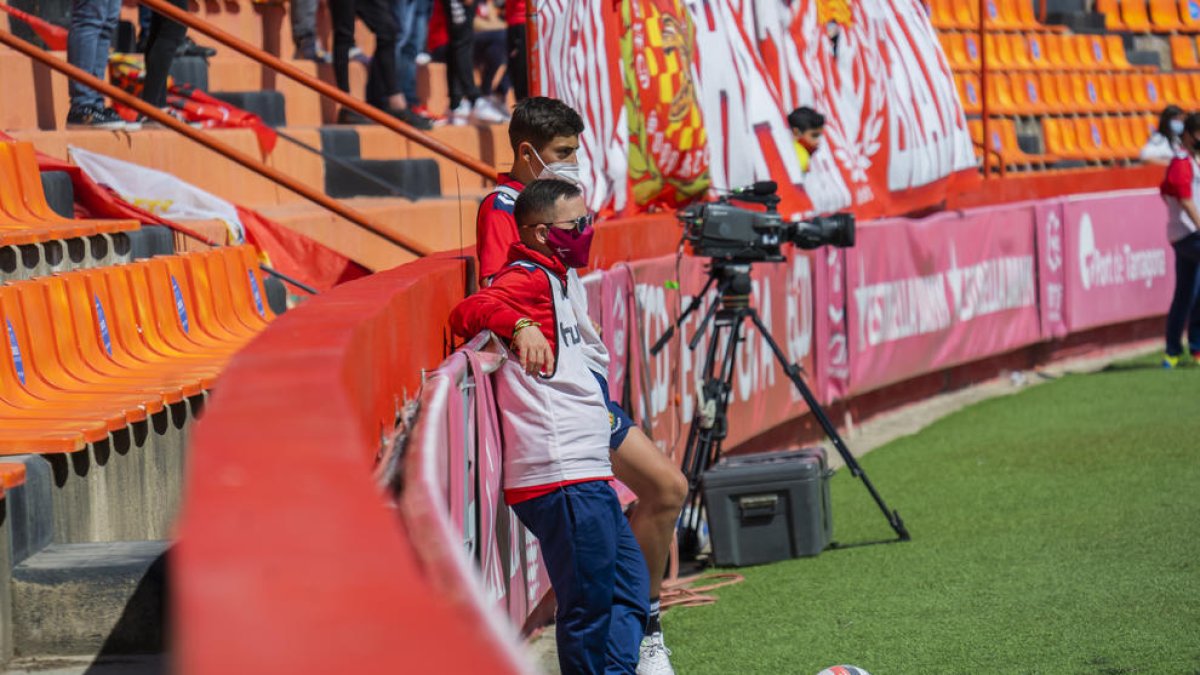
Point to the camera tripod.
(710, 424)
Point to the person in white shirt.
(1164, 143)
(1180, 190)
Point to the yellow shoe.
(1170, 361)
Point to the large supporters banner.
(925, 295)
(1117, 264)
(663, 387)
(683, 95)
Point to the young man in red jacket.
(555, 425)
(544, 134)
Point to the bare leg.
(661, 489)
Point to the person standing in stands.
(92, 26)
(412, 18)
(544, 134)
(466, 103)
(303, 15)
(162, 43)
(1163, 144)
(807, 126)
(518, 66)
(1180, 190)
(555, 428)
(382, 89)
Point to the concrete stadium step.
(441, 224)
(165, 150)
(268, 105)
(93, 598)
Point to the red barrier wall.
(289, 560)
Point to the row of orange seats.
(86, 353)
(1033, 52)
(1160, 16)
(1001, 15)
(25, 217)
(1071, 93)
(1097, 139)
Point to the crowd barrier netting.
(912, 297)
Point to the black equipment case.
(767, 507)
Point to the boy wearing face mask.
(555, 427)
(807, 126)
(544, 133)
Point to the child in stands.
(555, 425)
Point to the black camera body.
(735, 234)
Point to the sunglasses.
(577, 224)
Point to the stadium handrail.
(270, 173)
(324, 89)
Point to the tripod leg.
(794, 374)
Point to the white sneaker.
(655, 657)
(486, 112)
(461, 114)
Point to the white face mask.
(564, 171)
(1176, 127)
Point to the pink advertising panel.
(923, 295)
(1117, 263)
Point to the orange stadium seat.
(1183, 52)
(1112, 14)
(969, 93)
(1133, 15)
(1116, 52)
(1019, 48)
(1037, 51)
(1059, 136)
(1195, 79)
(1082, 48)
(1027, 92)
(1114, 138)
(1147, 90)
(1185, 91)
(1164, 14)
(966, 13)
(956, 52)
(1090, 133)
(1109, 95)
(1168, 92)
(941, 14)
(1062, 53)
(1189, 14)
(1000, 98)
(971, 51)
(1057, 100)
(1131, 133)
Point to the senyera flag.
(680, 96)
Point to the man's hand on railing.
(536, 354)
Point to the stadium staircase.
(115, 335)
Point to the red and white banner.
(679, 94)
(1118, 263)
(925, 295)
(1051, 269)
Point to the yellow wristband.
(523, 324)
